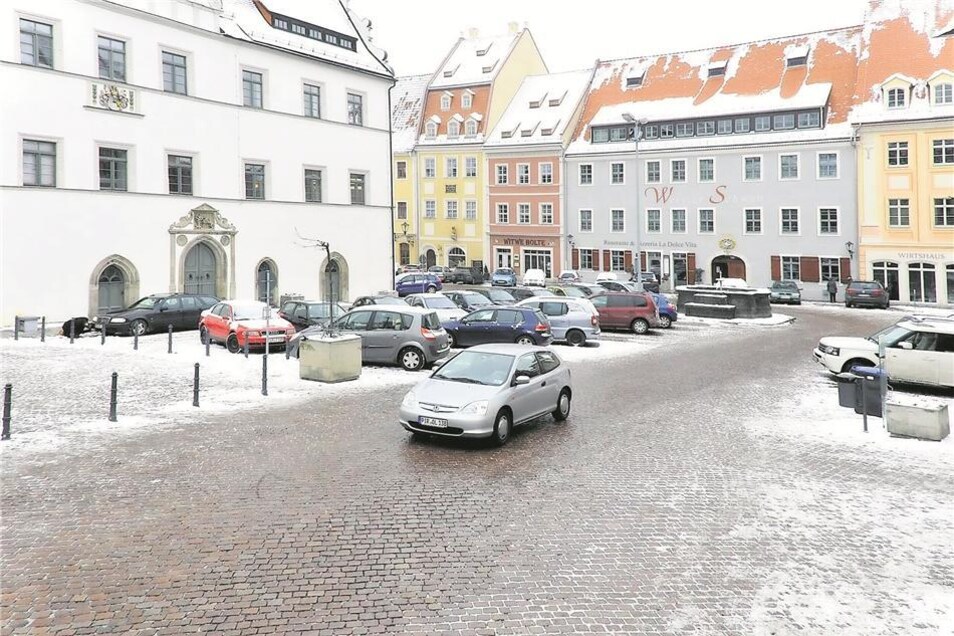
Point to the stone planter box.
(748, 303)
(928, 421)
(330, 359)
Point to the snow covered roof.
(903, 39)
(756, 78)
(474, 60)
(544, 106)
(407, 105)
(251, 20)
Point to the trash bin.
(868, 396)
(28, 325)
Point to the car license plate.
(276, 338)
(432, 421)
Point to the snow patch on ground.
(776, 320)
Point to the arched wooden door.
(200, 270)
(111, 287)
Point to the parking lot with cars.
(705, 477)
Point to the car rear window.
(865, 285)
(541, 318)
(428, 321)
(501, 296)
(551, 308)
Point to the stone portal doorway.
(727, 266)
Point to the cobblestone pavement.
(666, 505)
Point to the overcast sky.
(418, 33)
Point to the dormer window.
(548, 128)
(943, 94)
(800, 60)
(482, 52)
(537, 103)
(634, 81)
(717, 69)
(445, 101)
(489, 69)
(450, 71)
(796, 56)
(507, 134)
(529, 130)
(556, 101)
(430, 130)
(453, 129)
(467, 101)
(470, 128)
(897, 98)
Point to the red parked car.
(235, 322)
(635, 311)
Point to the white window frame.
(818, 228)
(321, 97)
(781, 266)
(432, 213)
(430, 167)
(761, 168)
(940, 87)
(506, 208)
(57, 141)
(468, 160)
(699, 212)
(745, 222)
(658, 211)
(242, 69)
(580, 220)
(467, 205)
(451, 168)
(580, 174)
(658, 163)
(397, 172)
(896, 91)
(699, 178)
(798, 166)
(466, 100)
(589, 252)
(821, 273)
(520, 208)
(467, 128)
(446, 101)
(541, 172)
(818, 174)
(447, 209)
(943, 206)
(672, 221)
(541, 213)
(621, 164)
(502, 174)
(907, 149)
(430, 130)
(622, 230)
(453, 129)
(946, 143)
(899, 206)
(685, 165)
(520, 175)
(798, 216)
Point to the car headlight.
(252, 334)
(410, 400)
(475, 408)
(117, 320)
(832, 351)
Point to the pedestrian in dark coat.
(832, 289)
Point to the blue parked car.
(418, 284)
(667, 311)
(523, 325)
(505, 277)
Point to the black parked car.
(308, 313)
(866, 293)
(495, 295)
(155, 313)
(645, 281)
(469, 300)
(461, 276)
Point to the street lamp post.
(637, 135)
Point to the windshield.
(502, 296)
(146, 303)
(389, 300)
(250, 311)
(892, 335)
(575, 292)
(785, 284)
(471, 367)
(439, 302)
(503, 271)
(473, 298)
(865, 286)
(323, 310)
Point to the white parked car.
(605, 276)
(534, 278)
(918, 349)
(447, 310)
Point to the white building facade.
(190, 146)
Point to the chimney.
(473, 33)
(513, 27)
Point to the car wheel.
(138, 328)
(232, 344)
(411, 359)
(856, 362)
(502, 426)
(431, 289)
(639, 326)
(562, 410)
(203, 334)
(575, 338)
(451, 341)
(524, 340)
(665, 322)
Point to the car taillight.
(850, 291)
(541, 327)
(876, 292)
(595, 321)
(428, 334)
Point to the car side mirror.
(521, 380)
(162, 308)
(907, 346)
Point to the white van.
(918, 349)
(534, 278)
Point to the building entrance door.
(111, 290)
(200, 271)
(886, 273)
(504, 257)
(538, 259)
(430, 259)
(727, 267)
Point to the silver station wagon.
(486, 390)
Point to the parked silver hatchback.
(572, 320)
(390, 334)
(486, 390)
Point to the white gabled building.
(186, 145)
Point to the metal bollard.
(43, 329)
(170, 338)
(195, 386)
(16, 328)
(135, 342)
(288, 350)
(102, 335)
(72, 329)
(246, 346)
(112, 397)
(7, 407)
(264, 375)
(208, 343)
